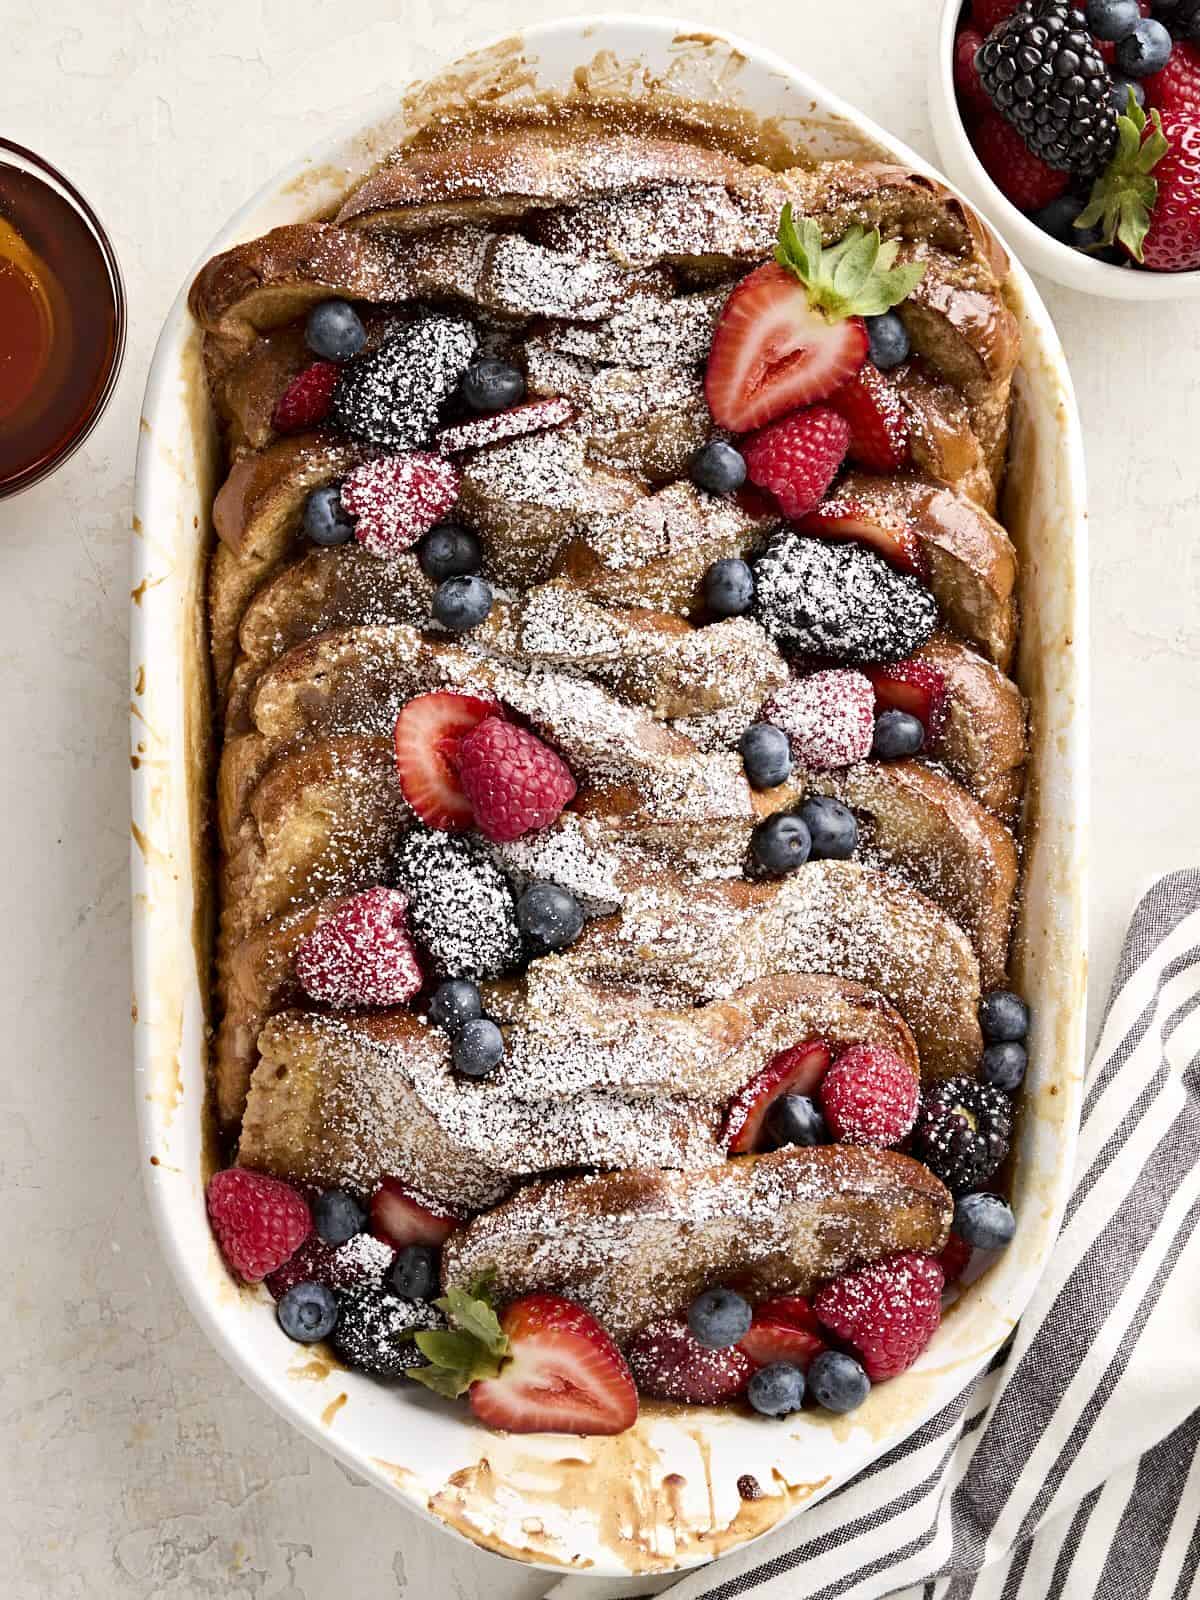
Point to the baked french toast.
(619, 771)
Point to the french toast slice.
(983, 738)
(636, 1246)
(647, 332)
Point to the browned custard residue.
(332, 1409)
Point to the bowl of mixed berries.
(1076, 129)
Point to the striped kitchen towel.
(1071, 1469)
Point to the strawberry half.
(913, 686)
(871, 404)
(429, 730)
(784, 1329)
(400, 1219)
(563, 1373)
(795, 1071)
(874, 520)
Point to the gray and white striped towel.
(1071, 1469)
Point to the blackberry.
(963, 1131)
(1043, 72)
(374, 1332)
(460, 907)
(391, 395)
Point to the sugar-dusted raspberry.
(514, 782)
(397, 499)
(360, 954)
(888, 1311)
(360, 1262)
(306, 400)
(869, 1096)
(259, 1221)
(829, 717)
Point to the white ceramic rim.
(168, 1023)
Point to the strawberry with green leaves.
(1146, 198)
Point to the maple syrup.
(62, 318)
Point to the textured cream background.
(132, 1463)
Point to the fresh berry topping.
(460, 906)
(869, 1097)
(1172, 243)
(413, 1275)
(1145, 50)
(549, 917)
(1122, 88)
(984, 1221)
(797, 1071)
(1004, 1065)
(766, 755)
(989, 14)
(360, 954)
(1176, 87)
(797, 459)
(784, 1329)
(1028, 181)
(1043, 72)
(729, 588)
(337, 1216)
(829, 717)
(670, 1364)
(306, 401)
(535, 417)
(840, 601)
(1112, 19)
(390, 396)
(794, 1119)
(915, 687)
(334, 331)
(478, 1048)
(871, 404)
(956, 1253)
(360, 1262)
(718, 467)
(1145, 199)
(326, 521)
(259, 1221)
(1002, 1016)
(777, 1390)
(887, 338)
(887, 1312)
(962, 1131)
(398, 498)
(491, 385)
(897, 735)
(307, 1312)
(311, 1263)
(971, 93)
(400, 1218)
(455, 1003)
(781, 844)
(858, 511)
(449, 551)
(375, 1332)
(460, 604)
(514, 783)
(837, 1382)
(429, 732)
(832, 827)
(718, 1318)
(562, 1374)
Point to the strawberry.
(784, 1329)
(1177, 87)
(971, 93)
(887, 1312)
(259, 1221)
(669, 1363)
(397, 499)
(912, 686)
(306, 400)
(989, 14)
(361, 954)
(1172, 243)
(855, 511)
(512, 424)
(514, 783)
(399, 1218)
(869, 1097)
(795, 1071)
(789, 334)
(871, 404)
(429, 730)
(1025, 178)
(797, 459)
(1145, 200)
(954, 1257)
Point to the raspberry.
(306, 400)
(361, 1261)
(514, 782)
(798, 458)
(1025, 178)
(888, 1311)
(989, 14)
(360, 954)
(829, 717)
(1177, 86)
(669, 1363)
(397, 499)
(259, 1221)
(954, 1257)
(869, 1096)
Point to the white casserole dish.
(599, 1505)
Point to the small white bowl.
(1037, 250)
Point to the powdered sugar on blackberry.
(391, 395)
(461, 909)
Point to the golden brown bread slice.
(636, 1246)
(245, 382)
(983, 740)
(942, 441)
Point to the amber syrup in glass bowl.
(62, 318)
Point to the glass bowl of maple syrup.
(62, 318)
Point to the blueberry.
(455, 1003)
(1058, 218)
(549, 917)
(984, 1221)
(1003, 1015)
(782, 843)
(729, 588)
(832, 827)
(307, 1312)
(1145, 50)
(333, 331)
(837, 1382)
(491, 385)
(1120, 94)
(776, 1390)
(479, 1048)
(718, 467)
(1188, 21)
(1112, 19)
(1004, 1065)
(897, 734)
(766, 753)
(449, 551)
(413, 1275)
(718, 1318)
(337, 1216)
(888, 339)
(325, 520)
(794, 1119)
(462, 603)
